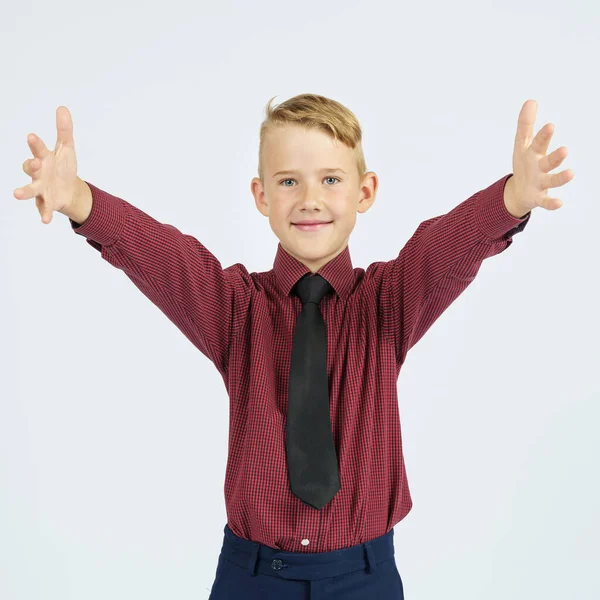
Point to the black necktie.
(311, 456)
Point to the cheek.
(278, 217)
(346, 215)
(347, 224)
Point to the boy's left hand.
(528, 186)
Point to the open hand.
(531, 165)
(53, 174)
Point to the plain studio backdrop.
(113, 426)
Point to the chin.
(314, 252)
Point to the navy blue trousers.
(248, 570)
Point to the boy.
(311, 350)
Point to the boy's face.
(309, 193)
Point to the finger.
(557, 179)
(29, 191)
(542, 139)
(64, 128)
(553, 160)
(525, 125)
(552, 203)
(31, 165)
(37, 147)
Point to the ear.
(257, 189)
(368, 191)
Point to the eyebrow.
(326, 170)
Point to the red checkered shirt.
(244, 322)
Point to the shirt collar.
(339, 272)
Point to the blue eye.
(337, 179)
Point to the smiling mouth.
(315, 227)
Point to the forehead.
(296, 147)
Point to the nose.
(311, 199)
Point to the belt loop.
(252, 560)
(372, 567)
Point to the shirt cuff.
(491, 214)
(106, 220)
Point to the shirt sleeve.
(439, 261)
(173, 270)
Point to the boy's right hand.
(53, 174)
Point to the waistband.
(258, 558)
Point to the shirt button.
(305, 542)
(276, 564)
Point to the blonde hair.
(314, 112)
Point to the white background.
(113, 427)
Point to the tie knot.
(312, 288)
